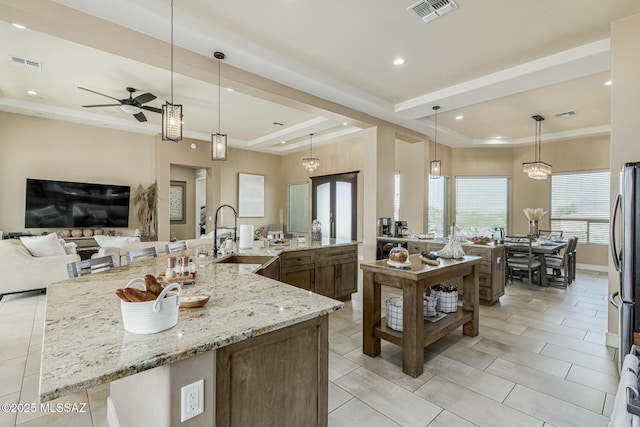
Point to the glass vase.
(533, 228)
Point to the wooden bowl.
(194, 300)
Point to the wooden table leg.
(544, 279)
(413, 327)
(471, 301)
(371, 314)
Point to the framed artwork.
(178, 202)
(250, 195)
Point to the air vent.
(428, 10)
(565, 114)
(26, 63)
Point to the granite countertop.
(441, 241)
(85, 343)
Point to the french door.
(334, 204)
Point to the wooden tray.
(189, 278)
(194, 300)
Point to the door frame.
(350, 177)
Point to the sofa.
(120, 252)
(25, 272)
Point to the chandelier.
(537, 169)
(435, 170)
(311, 163)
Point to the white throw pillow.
(115, 241)
(43, 245)
(69, 248)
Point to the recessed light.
(18, 26)
(498, 137)
(398, 61)
(282, 142)
(459, 117)
(32, 92)
(608, 83)
(345, 124)
(229, 89)
(194, 145)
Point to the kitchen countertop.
(415, 239)
(85, 343)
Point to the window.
(482, 203)
(334, 204)
(580, 205)
(438, 207)
(396, 197)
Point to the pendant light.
(310, 163)
(435, 171)
(219, 140)
(172, 113)
(537, 169)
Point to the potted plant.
(147, 200)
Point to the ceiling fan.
(129, 105)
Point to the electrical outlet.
(192, 402)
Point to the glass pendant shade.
(435, 168)
(537, 169)
(435, 171)
(311, 163)
(171, 122)
(218, 146)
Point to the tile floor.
(540, 360)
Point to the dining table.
(539, 249)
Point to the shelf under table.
(433, 331)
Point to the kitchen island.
(492, 265)
(260, 345)
(414, 280)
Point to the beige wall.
(34, 147)
(410, 162)
(625, 126)
(565, 156)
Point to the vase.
(533, 227)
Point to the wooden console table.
(417, 332)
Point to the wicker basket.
(447, 301)
(152, 316)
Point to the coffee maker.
(384, 229)
(400, 229)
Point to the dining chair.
(562, 265)
(180, 245)
(520, 263)
(141, 254)
(90, 266)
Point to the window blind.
(396, 196)
(580, 205)
(482, 203)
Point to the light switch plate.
(192, 401)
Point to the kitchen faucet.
(215, 227)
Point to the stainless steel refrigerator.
(625, 250)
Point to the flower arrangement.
(534, 214)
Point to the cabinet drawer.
(485, 293)
(417, 247)
(484, 280)
(336, 254)
(289, 259)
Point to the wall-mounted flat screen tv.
(61, 204)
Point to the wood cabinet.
(331, 271)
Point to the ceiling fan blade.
(101, 105)
(141, 117)
(98, 93)
(154, 109)
(145, 97)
